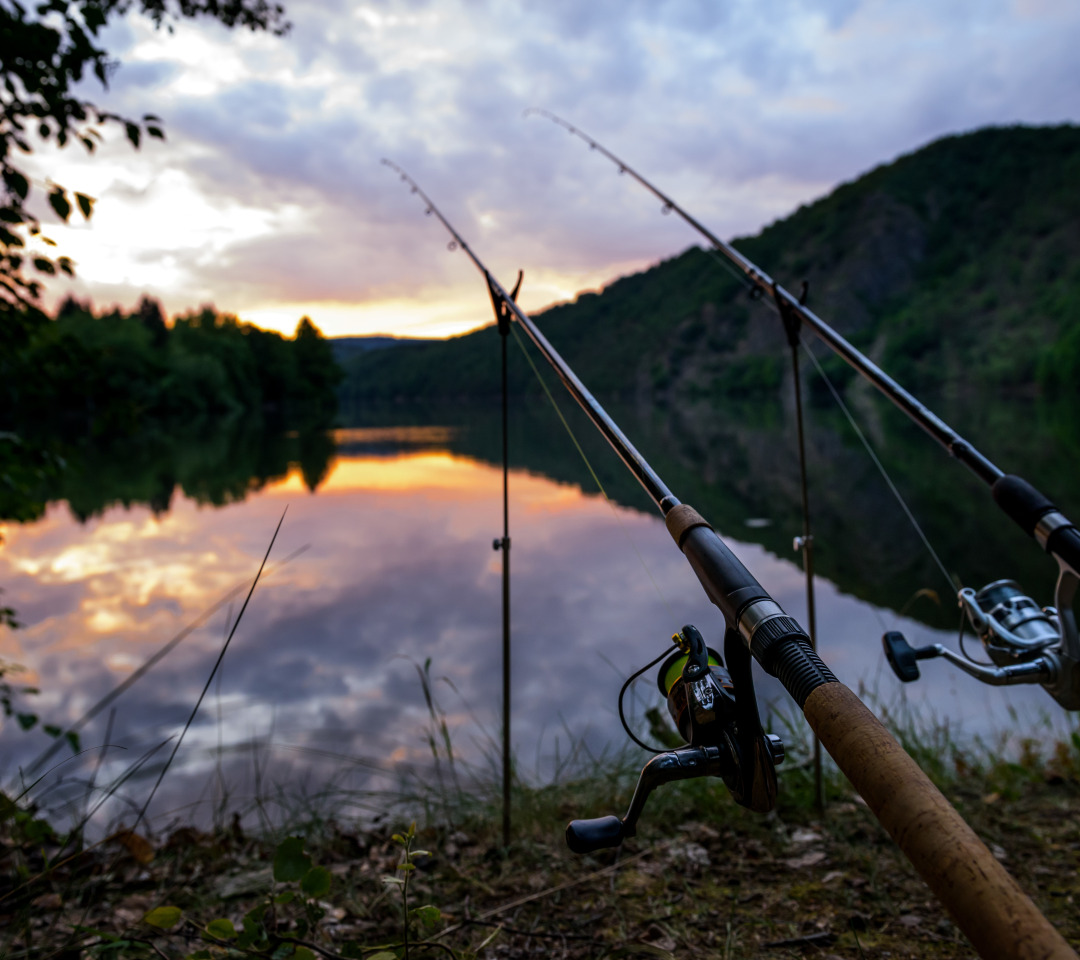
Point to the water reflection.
(399, 569)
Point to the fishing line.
(592, 472)
(622, 527)
(881, 469)
(622, 693)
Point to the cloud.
(740, 111)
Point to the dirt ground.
(730, 886)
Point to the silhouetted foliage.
(212, 462)
(44, 54)
(89, 375)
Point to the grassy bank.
(703, 878)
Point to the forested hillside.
(956, 267)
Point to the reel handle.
(585, 836)
(902, 655)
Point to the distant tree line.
(84, 374)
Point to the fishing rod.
(1026, 644)
(716, 710)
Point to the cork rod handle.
(987, 904)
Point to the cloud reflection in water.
(400, 569)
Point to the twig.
(550, 890)
(533, 933)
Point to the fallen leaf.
(139, 847)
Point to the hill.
(955, 267)
(346, 348)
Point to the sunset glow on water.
(398, 568)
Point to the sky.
(268, 199)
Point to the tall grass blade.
(138, 674)
(210, 679)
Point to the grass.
(703, 876)
(288, 872)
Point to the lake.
(394, 520)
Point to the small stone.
(802, 836)
(693, 853)
(809, 859)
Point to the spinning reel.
(715, 711)
(1025, 644)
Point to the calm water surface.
(321, 680)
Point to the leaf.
(222, 929)
(45, 266)
(303, 953)
(26, 720)
(17, 183)
(290, 861)
(316, 882)
(86, 204)
(10, 215)
(156, 132)
(164, 918)
(52, 729)
(134, 134)
(141, 850)
(59, 202)
(428, 915)
(287, 897)
(73, 739)
(394, 880)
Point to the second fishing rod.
(987, 904)
(1025, 643)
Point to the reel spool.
(1011, 626)
(701, 708)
